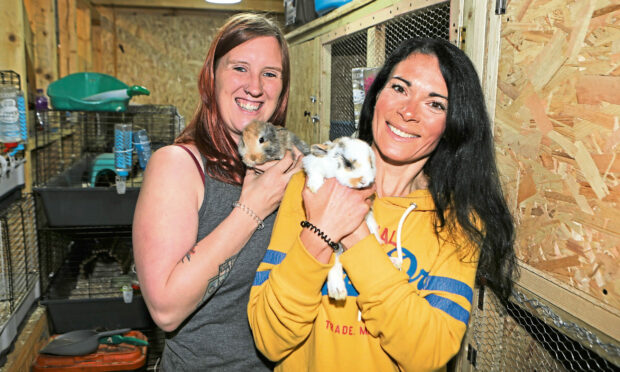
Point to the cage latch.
(471, 355)
(462, 32)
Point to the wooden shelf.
(571, 304)
(34, 143)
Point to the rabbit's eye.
(347, 163)
(261, 140)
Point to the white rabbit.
(352, 162)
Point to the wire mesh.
(157, 340)
(19, 264)
(53, 248)
(503, 338)
(74, 136)
(351, 52)
(347, 53)
(515, 338)
(95, 266)
(11, 78)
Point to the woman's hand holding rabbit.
(335, 209)
(263, 192)
(358, 234)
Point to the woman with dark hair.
(437, 200)
(202, 222)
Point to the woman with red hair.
(203, 222)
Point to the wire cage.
(527, 335)
(53, 248)
(96, 264)
(72, 137)
(84, 273)
(60, 250)
(351, 52)
(75, 166)
(12, 169)
(19, 265)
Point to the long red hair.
(206, 129)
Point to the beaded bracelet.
(305, 224)
(251, 213)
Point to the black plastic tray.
(88, 207)
(67, 202)
(110, 313)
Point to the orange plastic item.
(121, 357)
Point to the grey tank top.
(217, 336)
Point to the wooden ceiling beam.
(271, 6)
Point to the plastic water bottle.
(9, 115)
(122, 154)
(143, 147)
(41, 108)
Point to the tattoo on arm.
(188, 255)
(217, 280)
(213, 284)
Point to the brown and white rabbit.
(262, 141)
(352, 162)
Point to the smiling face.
(248, 83)
(410, 112)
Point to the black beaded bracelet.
(305, 224)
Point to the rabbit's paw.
(336, 288)
(314, 182)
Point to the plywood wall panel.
(161, 50)
(41, 15)
(558, 132)
(107, 41)
(68, 62)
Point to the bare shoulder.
(172, 165)
(177, 151)
(175, 156)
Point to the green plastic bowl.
(69, 92)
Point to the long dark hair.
(206, 129)
(462, 172)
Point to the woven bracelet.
(251, 213)
(307, 225)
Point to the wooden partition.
(557, 133)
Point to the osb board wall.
(160, 50)
(557, 130)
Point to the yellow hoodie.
(411, 320)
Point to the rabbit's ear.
(319, 150)
(341, 142)
(271, 130)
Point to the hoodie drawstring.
(399, 247)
